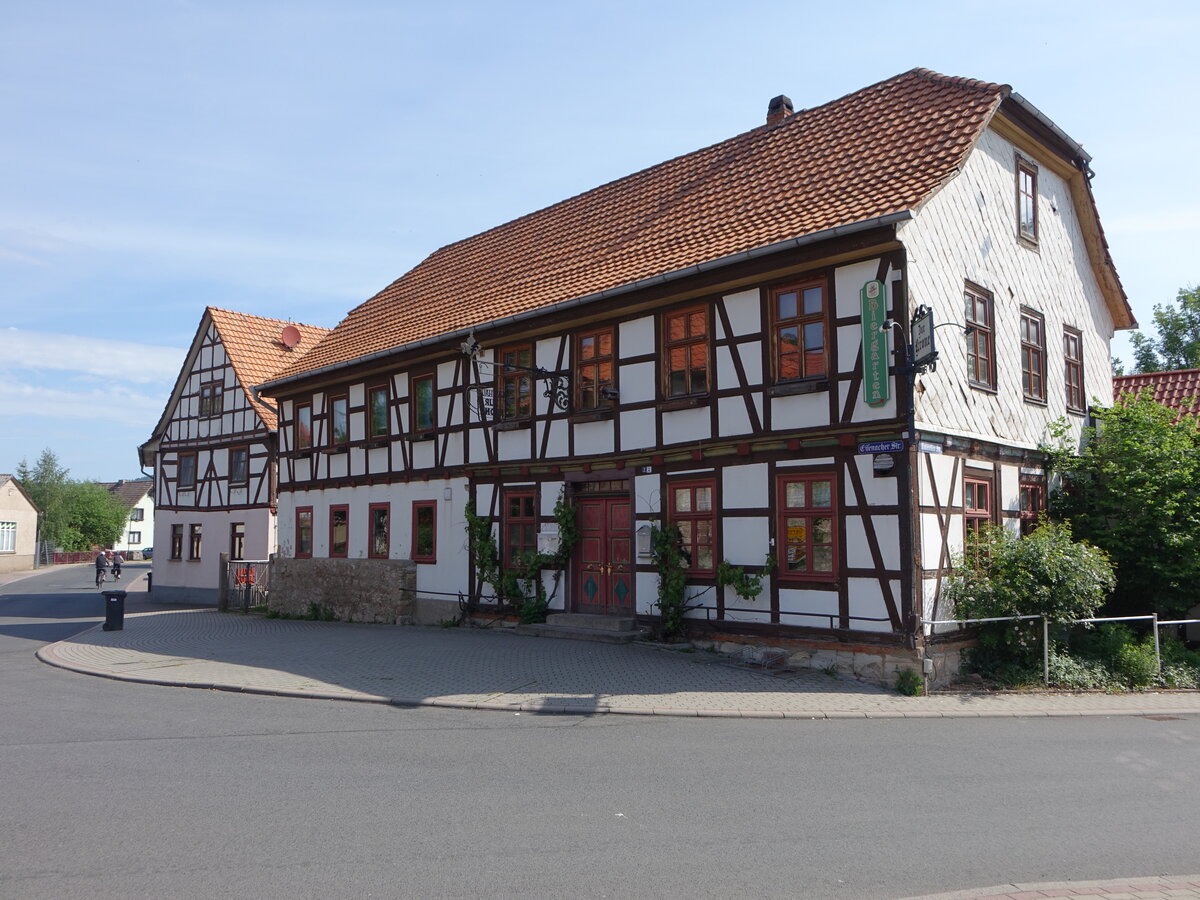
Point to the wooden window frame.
(516, 379)
(800, 321)
(302, 513)
(342, 509)
(373, 429)
(431, 556)
(1027, 196)
(237, 540)
(176, 541)
(300, 439)
(372, 509)
(1033, 355)
(334, 401)
(135, 537)
(687, 343)
(137, 514)
(245, 476)
(588, 369)
(975, 516)
(981, 337)
(691, 541)
(195, 541)
(211, 399)
(1073, 370)
(190, 484)
(783, 512)
(414, 405)
(1031, 503)
(521, 520)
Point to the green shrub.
(1081, 674)
(909, 683)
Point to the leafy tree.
(1178, 343)
(76, 515)
(1134, 491)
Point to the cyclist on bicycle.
(117, 561)
(101, 567)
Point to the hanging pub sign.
(924, 353)
(874, 343)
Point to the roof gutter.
(1045, 121)
(607, 294)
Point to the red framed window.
(807, 526)
(1032, 502)
(981, 338)
(1033, 355)
(303, 436)
(339, 530)
(977, 504)
(339, 420)
(685, 348)
(692, 509)
(195, 540)
(379, 516)
(515, 381)
(239, 465)
(237, 540)
(424, 532)
(798, 312)
(423, 416)
(1027, 207)
(186, 477)
(1073, 369)
(594, 368)
(379, 420)
(519, 524)
(304, 532)
(210, 399)
(176, 542)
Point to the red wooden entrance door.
(603, 574)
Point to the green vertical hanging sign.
(874, 344)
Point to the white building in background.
(137, 497)
(213, 453)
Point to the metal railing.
(1153, 618)
(249, 582)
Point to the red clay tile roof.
(879, 151)
(1179, 389)
(256, 352)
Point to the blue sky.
(291, 158)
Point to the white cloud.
(115, 360)
(110, 404)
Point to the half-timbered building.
(725, 342)
(213, 452)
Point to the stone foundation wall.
(351, 590)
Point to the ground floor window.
(977, 504)
(1033, 502)
(692, 511)
(304, 532)
(381, 545)
(339, 530)
(195, 533)
(424, 533)
(807, 534)
(176, 542)
(135, 537)
(8, 537)
(519, 525)
(237, 540)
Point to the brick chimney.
(779, 109)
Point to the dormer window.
(1027, 211)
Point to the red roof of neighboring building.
(1179, 389)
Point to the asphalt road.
(110, 789)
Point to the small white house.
(138, 498)
(18, 526)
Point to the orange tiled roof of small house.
(256, 351)
(1179, 389)
(879, 151)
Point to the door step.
(582, 627)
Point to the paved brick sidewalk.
(494, 669)
(1182, 886)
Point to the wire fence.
(1157, 623)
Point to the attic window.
(1027, 217)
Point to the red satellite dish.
(290, 336)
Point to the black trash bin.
(114, 610)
